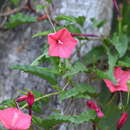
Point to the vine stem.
(39, 98)
(94, 126)
(47, 95)
(50, 20)
(116, 6)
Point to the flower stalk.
(84, 35)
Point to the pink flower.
(122, 120)
(29, 98)
(92, 105)
(122, 78)
(61, 43)
(14, 119)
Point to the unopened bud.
(122, 120)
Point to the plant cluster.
(108, 62)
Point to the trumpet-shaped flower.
(122, 120)
(29, 98)
(122, 77)
(61, 43)
(14, 119)
(92, 105)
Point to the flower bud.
(122, 120)
(20, 99)
(92, 105)
(30, 99)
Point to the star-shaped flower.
(14, 119)
(61, 43)
(122, 77)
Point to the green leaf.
(39, 8)
(73, 28)
(121, 43)
(112, 59)
(105, 75)
(49, 1)
(44, 73)
(80, 20)
(37, 107)
(15, 2)
(97, 23)
(42, 34)
(47, 32)
(19, 19)
(77, 67)
(83, 117)
(83, 96)
(67, 18)
(97, 53)
(77, 90)
(45, 123)
(102, 74)
(39, 94)
(7, 103)
(39, 60)
(124, 62)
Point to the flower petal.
(14, 119)
(122, 78)
(53, 50)
(110, 85)
(65, 49)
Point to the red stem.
(83, 35)
(94, 126)
(116, 6)
(30, 110)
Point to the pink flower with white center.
(122, 77)
(61, 43)
(122, 120)
(14, 119)
(92, 105)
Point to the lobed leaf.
(19, 19)
(45, 123)
(42, 33)
(79, 20)
(44, 73)
(77, 90)
(112, 59)
(97, 23)
(78, 67)
(121, 43)
(124, 62)
(97, 53)
(76, 119)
